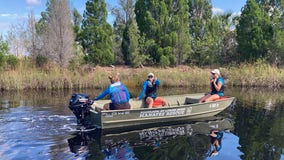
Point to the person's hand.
(90, 102)
(154, 80)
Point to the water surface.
(39, 125)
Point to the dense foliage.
(165, 27)
(95, 36)
(155, 32)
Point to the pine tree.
(77, 20)
(130, 45)
(274, 8)
(4, 50)
(254, 32)
(200, 28)
(279, 36)
(182, 47)
(96, 34)
(164, 25)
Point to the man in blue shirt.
(119, 95)
(149, 90)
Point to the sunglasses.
(150, 76)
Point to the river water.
(39, 125)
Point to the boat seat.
(189, 100)
(221, 98)
(156, 103)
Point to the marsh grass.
(256, 75)
(245, 75)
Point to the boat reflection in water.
(166, 142)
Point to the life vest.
(151, 89)
(214, 90)
(118, 93)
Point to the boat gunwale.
(164, 107)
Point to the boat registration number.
(214, 105)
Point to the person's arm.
(214, 133)
(143, 90)
(158, 82)
(127, 93)
(210, 84)
(104, 93)
(220, 82)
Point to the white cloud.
(217, 11)
(235, 14)
(33, 2)
(8, 15)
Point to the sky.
(13, 12)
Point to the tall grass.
(256, 75)
(246, 75)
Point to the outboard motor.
(80, 104)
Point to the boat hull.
(147, 116)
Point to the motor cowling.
(80, 105)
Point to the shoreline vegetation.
(245, 75)
(38, 55)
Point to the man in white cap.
(150, 90)
(217, 87)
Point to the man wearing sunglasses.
(149, 90)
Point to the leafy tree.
(96, 34)
(12, 61)
(40, 30)
(276, 15)
(4, 50)
(200, 13)
(223, 48)
(126, 33)
(78, 58)
(130, 45)
(182, 47)
(229, 54)
(41, 25)
(279, 43)
(164, 25)
(200, 25)
(77, 20)
(41, 60)
(254, 32)
(4, 47)
(130, 33)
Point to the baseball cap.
(151, 74)
(215, 71)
